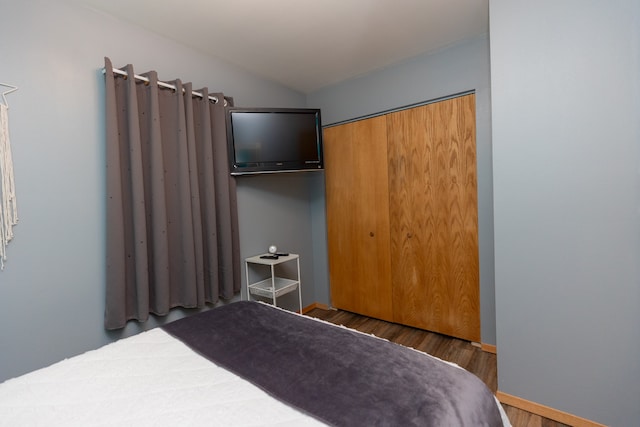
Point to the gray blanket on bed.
(340, 376)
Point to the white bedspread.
(150, 379)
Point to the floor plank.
(463, 353)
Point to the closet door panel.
(358, 217)
(434, 225)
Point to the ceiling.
(307, 44)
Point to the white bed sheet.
(149, 379)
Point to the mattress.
(150, 379)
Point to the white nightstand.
(273, 286)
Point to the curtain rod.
(162, 84)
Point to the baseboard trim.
(314, 305)
(545, 411)
(489, 348)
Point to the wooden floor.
(463, 353)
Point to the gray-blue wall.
(278, 209)
(52, 288)
(457, 68)
(566, 145)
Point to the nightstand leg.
(273, 284)
(246, 268)
(299, 286)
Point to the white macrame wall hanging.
(8, 206)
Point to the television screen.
(263, 140)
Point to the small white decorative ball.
(273, 249)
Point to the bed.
(250, 364)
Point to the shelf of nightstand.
(264, 288)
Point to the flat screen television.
(268, 140)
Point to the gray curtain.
(172, 234)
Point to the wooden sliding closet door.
(357, 197)
(434, 222)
